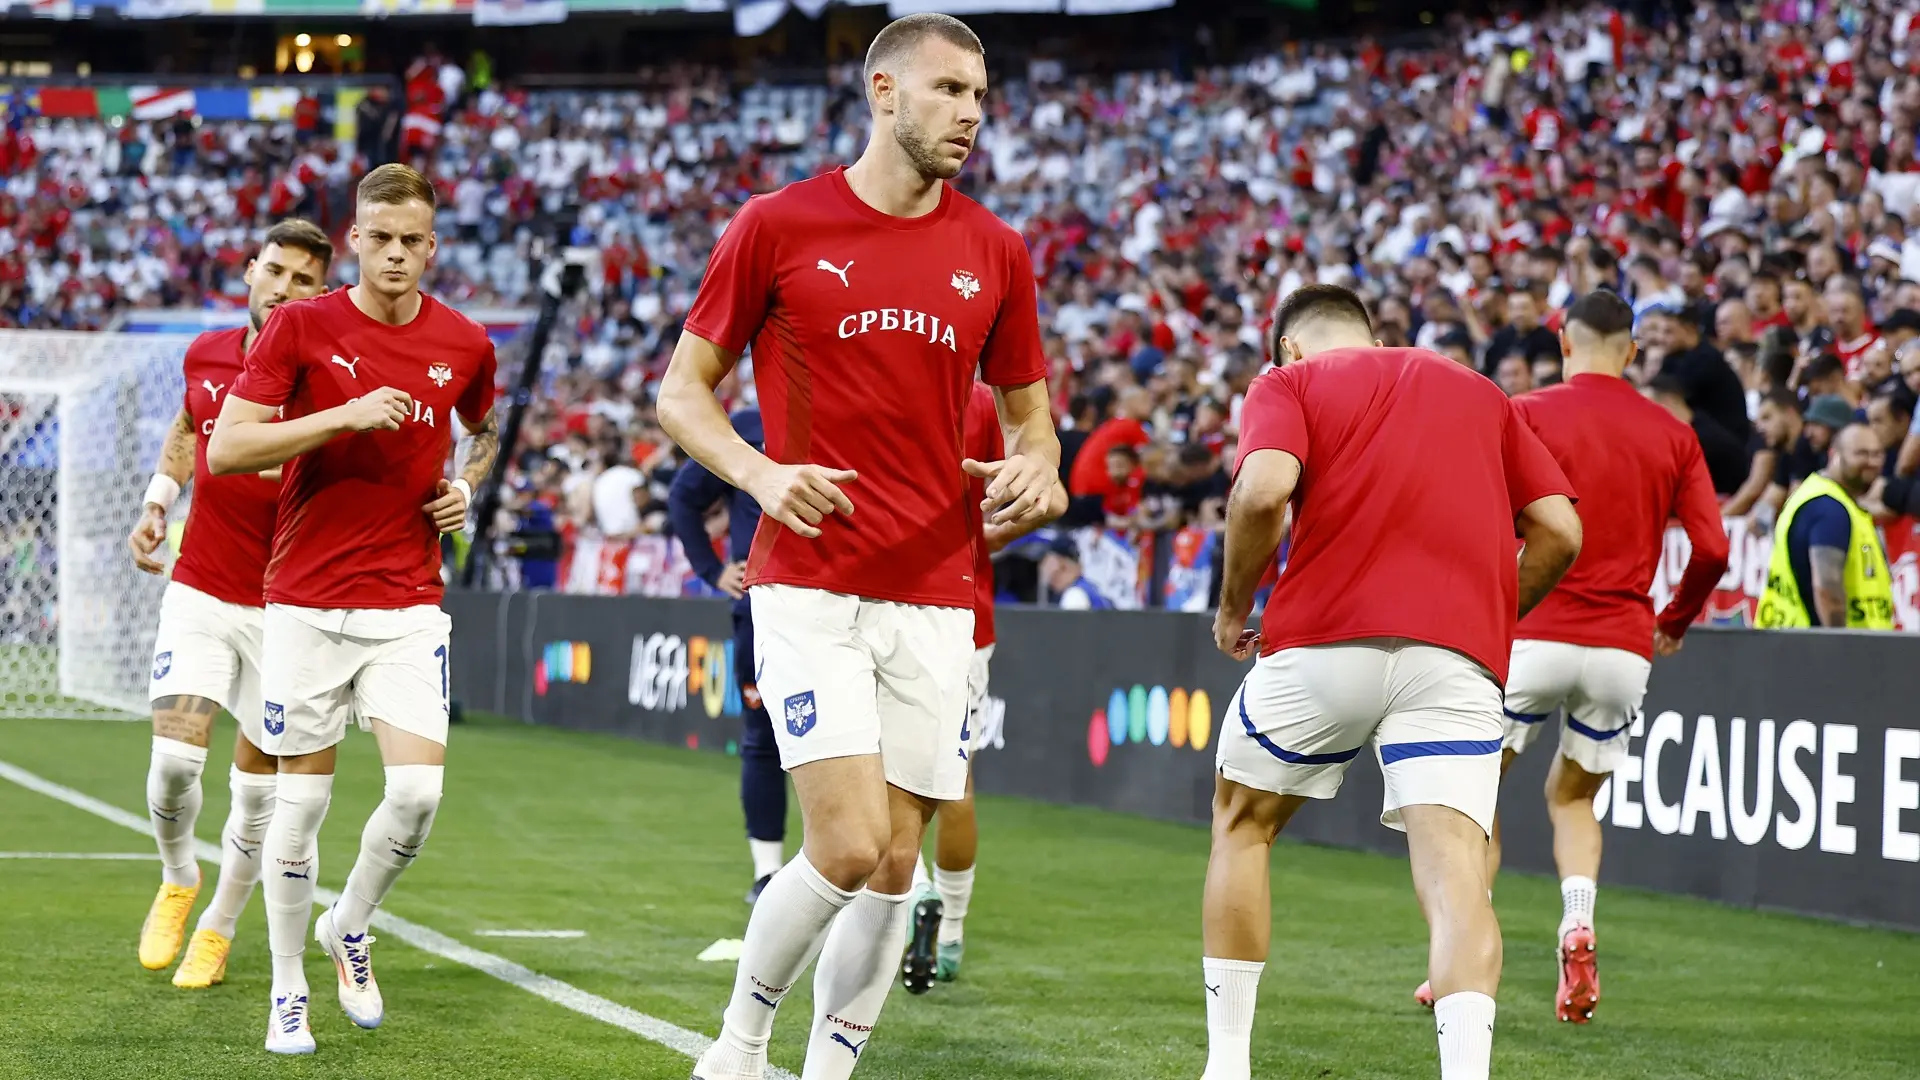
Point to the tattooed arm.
(1828, 568)
(483, 450)
(176, 452)
(176, 465)
(449, 507)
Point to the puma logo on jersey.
(837, 271)
(338, 359)
(212, 390)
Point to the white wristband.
(162, 490)
(465, 488)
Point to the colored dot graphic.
(1152, 715)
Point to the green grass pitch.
(1083, 956)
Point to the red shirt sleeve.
(1699, 513)
(1532, 474)
(1272, 419)
(273, 363)
(1013, 356)
(477, 399)
(732, 302)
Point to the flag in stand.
(225, 103)
(518, 12)
(68, 101)
(272, 103)
(156, 103)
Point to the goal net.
(82, 417)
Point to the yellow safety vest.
(1869, 584)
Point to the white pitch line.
(690, 1043)
(116, 856)
(531, 933)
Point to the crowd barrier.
(1776, 770)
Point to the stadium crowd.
(1748, 178)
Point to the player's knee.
(1245, 815)
(847, 860)
(176, 766)
(253, 797)
(1569, 784)
(413, 797)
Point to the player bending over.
(763, 787)
(1391, 625)
(206, 656)
(936, 939)
(372, 378)
(870, 295)
(1589, 646)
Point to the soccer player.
(1409, 476)
(371, 378)
(936, 941)
(1589, 646)
(206, 656)
(763, 787)
(871, 295)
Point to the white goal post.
(82, 418)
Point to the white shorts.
(844, 675)
(1432, 715)
(977, 734)
(1600, 689)
(209, 648)
(324, 666)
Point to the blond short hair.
(396, 185)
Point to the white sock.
(920, 878)
(290, 864)
(1231, 988)
(850, 986)
(768, 856)
(784, 934)
(241, 843)
(1577, 895)
(173, 805)
(956, 888)
(389, 843)
(1465, 1023)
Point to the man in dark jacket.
(763, 786)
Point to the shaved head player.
(206, 655)
(871, 296)
(373, 379)
(1409, 476)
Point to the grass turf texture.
(1083, 957)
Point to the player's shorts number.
(445, 699)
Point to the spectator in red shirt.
(1091, 474)
(1763, 300)
(1853, 335)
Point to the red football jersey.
(351, 533)
(1854, 353)
(229, 532)
(983, 441)
(867, 330)
(1635, 467)
(1412, 471)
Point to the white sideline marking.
(531, 933)
(690, 1043)
(720, 951)
(127, 856)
